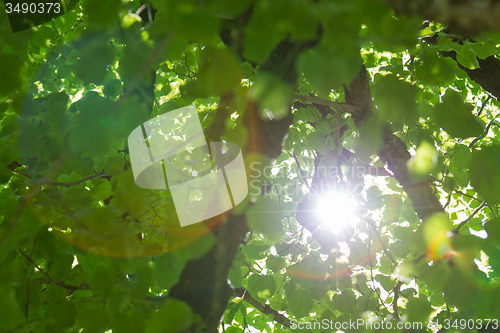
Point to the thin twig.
(99, 175)
(193, 74)
(140, 9)
(279, 196)
(300, 171)
(485, 132)
(467, 195)
(22, 174)
(381, 242)
(419, 259)
(343, 107)
(448, 200)
(47, 63)
(64, 285)
(457, 230)
(483, 105)
(185, 75)
(40, 269)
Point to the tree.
(370, 140)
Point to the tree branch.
(342, 107)
(393, 151)
(65, 286)
(203, 282)
(466, 17)
(457, 230)
(487, 75)
(395, 299)
(485, 132)
(264, 308)
(99, 175)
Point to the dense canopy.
(371, 146)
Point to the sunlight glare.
(336, 210)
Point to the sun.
(335, 211)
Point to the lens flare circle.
(336, 210)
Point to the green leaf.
(455, 116)
(319, 142)
(101, 189)
(101, 282)
(264, 217)
(76, 196)
(12, 73)
(307, 114)
(301, 303)
(44, 36)
(56, 115)
(483, 51)
(344, 302)
(434, 233)
(93, 62)
(233, 308)
(261, 287)
(113, 88)
(275, 263)
(131, 323)
(113, 163)
(66, 22)
(425, 160)
(91, 132)
(387, 282)
(339, 65)
(466, 56)
(136, 55)
(3, 107)
(230, 8)
(370, 138)
(484, 172)
(318, 289)
(449, 184)
(143, 281)
(255, 251)
(62, 313)
(464, 51)
(396, 100)
(10, 313)
(99, 12)
(91, 317)
(262, 33)
(168, 268)
(273, 95)
(235, 275)
(219, 72)
(418, 309)
(492, 227)
(435, 69)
